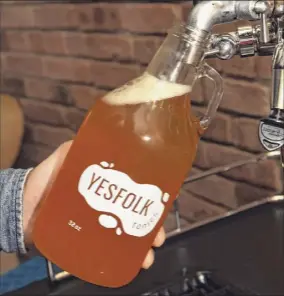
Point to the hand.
(37, 182)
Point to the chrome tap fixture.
(265, 38)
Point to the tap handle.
(271, 132)
(271, 129)
(264, 35)
(264, 9)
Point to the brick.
(197, 93)
(83, 70)
(170, 223)
(141, 69)
(218, 190)
(24, 162)
(109, 46)
(33, 154)
(62, 95)
(264, 67)
(112, 74)
(242, 67)
(220, 129)
(84, 96)
(2, 63)
(75, 43)
(208, 87)
(243, 97)
(225, 28)
(39, 88)
(245, 134)
(17, 16)
(3, 41)
(12, 85)
(47, 135)
(70, 69)
(232, 26)
(53, 42)
(48, 90)
(16, 2)
(186, 9)
(17, 41)
(149, 18)
(99, 16)
(246, 193)
(145, 47)
(22, 63)
(56, 16)
(212, 155)
(35, 39)
(85, 16)
(265, 173)
(74, 118)
(194, 171)
(215, 63)
(42, 112)
(194, 208)
(5, 2)
(58, 68)
(200, 158)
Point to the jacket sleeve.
(12, 182)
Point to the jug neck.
(180, 56)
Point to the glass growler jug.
(126, 166)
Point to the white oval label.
(126, 206)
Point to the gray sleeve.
(12, 183)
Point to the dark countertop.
(246, 249)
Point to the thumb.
(38, 182)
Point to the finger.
(160, 238)
(41, 177)
(61, 152)
(38, 182)
(54, 162)
(149, 259)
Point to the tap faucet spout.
(267, 38)
(271, 130)
(206, 14)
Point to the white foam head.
(145, 88)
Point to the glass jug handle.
(210, 73)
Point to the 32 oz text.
(74, 225)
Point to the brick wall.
(58, 58)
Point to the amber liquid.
(153, 143)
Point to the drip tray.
(199, 284)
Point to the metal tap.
(266, 38)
